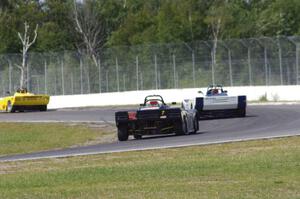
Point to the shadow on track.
(153, 137)
(224, 117)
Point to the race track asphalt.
(262, 121)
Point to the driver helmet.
(153, 103)
(215, 91)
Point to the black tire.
(138, 137)
(184, 128)
(196, 125)
(43, 108)
(242, 112)
(181, 127)
(123, 133)
(10, 108)
(178, 129)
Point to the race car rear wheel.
(123, 133)
(10, 108)
(242, 112)
(181, 128)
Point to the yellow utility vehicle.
(23, 100)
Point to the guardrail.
(272, 93)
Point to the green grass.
(25, 138)
(255, 169)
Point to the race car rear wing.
(223, 102)
(172, 113)
(159, 114)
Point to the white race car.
(216, 103)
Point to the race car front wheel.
(185, 130)
(122, 133)
(196, 125)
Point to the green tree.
(280, 17)
(138, 26)
(12, 21)
(56, 32)
(218, 17)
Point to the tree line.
(135, 22)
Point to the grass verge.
(254, 169)
(32, 137)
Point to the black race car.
(153, 117)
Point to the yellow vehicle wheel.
(10, 108)
(43, 108)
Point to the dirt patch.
(107, 133)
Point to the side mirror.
(225, 91)
(141, 104)
(7, 93)
(173, 103)
(200, 92)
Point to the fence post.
(38, 84)
(137, 72)
(174, 70)
(99, 63)
(9, 76)
(177, 80)
(46, 88)
(2, 85)
(288, 75)
(270, 76)
(81, 75)
(117, 74)
(156, 74)
(159, 82)
(230, 67)
(62, 77)
(55, 82)
(142, 81)
(212, 68)
(291, 39)
(124, 83)
(193, 63)
(249, 60)
(280, 60)
(229, 62)
(297, 63)
(266, 65)
(194, 75)
(249, 66)
(28, 77)
(88, 78)
(106, 77)
(72, 82)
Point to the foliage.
(263, 98)
(134, 22)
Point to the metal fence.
(255, 61)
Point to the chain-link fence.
(255, 61)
